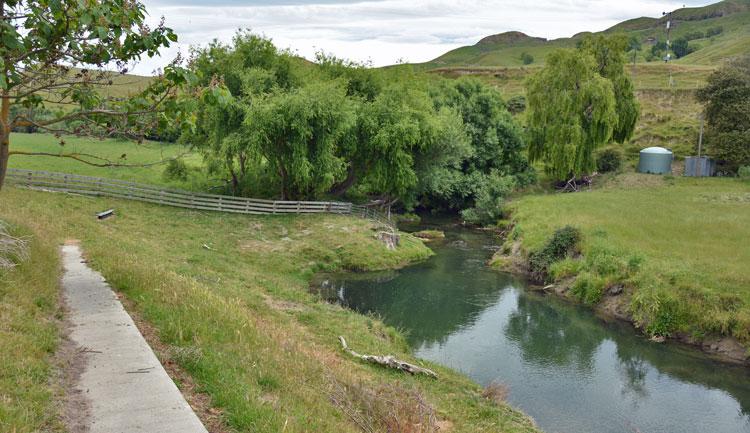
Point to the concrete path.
(127, 387)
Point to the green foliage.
(176, 169)
(572, 111)
(562, 243)
(588, 288)
(527, 58)
(634, 45)
(714, 31)
(565, 268)
(658, 313)
(296, 133)
(516, 104)
(681, 47)
(744, 172)
(609, 53)
(727, 107)
(54, 53)
(495, 160)
(609, 160)
(490, 199)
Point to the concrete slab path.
(127, 387)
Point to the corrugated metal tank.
(699, 166)
(655, 160)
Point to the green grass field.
(136, 158)
(679, 245)
(237, 316)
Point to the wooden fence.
(95, 186)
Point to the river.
(568, 369)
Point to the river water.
(569, 370)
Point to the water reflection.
(564, 366)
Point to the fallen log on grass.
(389, 361)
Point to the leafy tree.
(527, 58)
(634, 45)
(572, 111)
(497, 150)
(727, 108)
(229, 77)
(681, 47)
(658, 49)
(297, 132)
(401, 143)
(54, 52)
(609, 54)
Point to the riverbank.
(667, 254)
(227, 297)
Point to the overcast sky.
(386, 31)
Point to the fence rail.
(101, 187)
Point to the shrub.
(713, 31)
(609, 160)
(744, 172)
(176, 169)
(490, 198)
(588, 288)
(527, 58)
(657, 313)
(681, 48)
(562, 243)
(516, 104)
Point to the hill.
(716, 32)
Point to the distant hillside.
(729, 19)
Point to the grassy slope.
(238, 317)
(28, 338)
(690, 234)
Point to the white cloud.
(385, 31)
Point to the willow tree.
(609, 53)
(296, 133)
(54, 54)
(572, 112)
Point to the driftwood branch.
(388, 361)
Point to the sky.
(384, 32)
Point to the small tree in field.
(572, 111)
(53, 54)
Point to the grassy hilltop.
(732, 16)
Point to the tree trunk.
(284, 179)
(342, 187)
(4, 137)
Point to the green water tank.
(655, 160)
